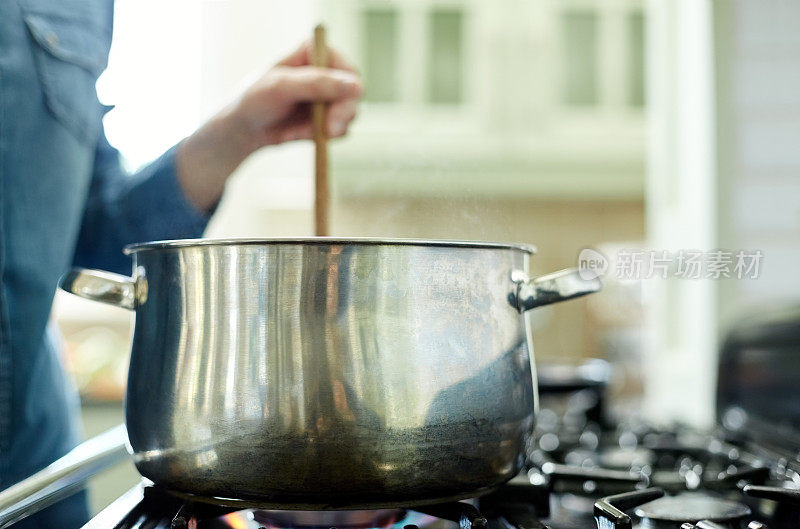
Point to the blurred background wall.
(758, 127)
(722, 173)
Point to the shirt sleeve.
(125, 208)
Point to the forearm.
(207, 158)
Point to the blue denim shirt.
(64, 200)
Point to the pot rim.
(314, 241)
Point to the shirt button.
(52, 39)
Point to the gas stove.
(660, 479)
(583, 471)
(744, 472)
(631, 477)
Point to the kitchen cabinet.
(511, 98)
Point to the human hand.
(276, 107)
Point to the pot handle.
(97, 285)
(551, 288)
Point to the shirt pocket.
(70, 50)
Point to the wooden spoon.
(319, 118)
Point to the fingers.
(299, 126)
(294, 81)
(302, 57)
(298, 131)
(339, 117)
(308, 84)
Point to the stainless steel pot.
(329, 373)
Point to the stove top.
(632, 477)
(582, 470)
